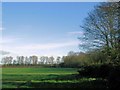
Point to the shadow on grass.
(58, 82)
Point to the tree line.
(31, 60)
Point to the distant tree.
(42, 59)
(58, 60)
(27, 61)
(51, 60)
(70, 60)
(7, 60)
(34, 59)
(10, 60)
(71, 53)
(14, 62)
(46, 59)
(20, 60)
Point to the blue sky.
(43, 28)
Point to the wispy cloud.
(4, 52)
(40, 48)
(9, 40)
(1, 28)
(76, 33)
(48, 45)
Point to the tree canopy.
(101, 30)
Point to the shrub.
(114, 78)
(95, 71)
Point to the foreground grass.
(47, 78)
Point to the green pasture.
(46, 78)
(14, 77)
(39, 70)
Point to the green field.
(46, 78)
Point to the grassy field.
(47, 78)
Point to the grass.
(35, 71)
(47, 78)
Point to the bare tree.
(42, 59)
(51, 60)
(101, 28)
(34, 59)
(27, 61)
(7, 60)
(20, 60)
(58, 60)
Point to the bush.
(114, 78)
(95, 71)
(106, 71)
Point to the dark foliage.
(108, 72)
(95, 71)
(114, 78)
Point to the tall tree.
(42, 59)
(20, 60)
(7, 60)
(101, 29)
(34, 59)
(51, 60)
(27, 61)
(58, 59)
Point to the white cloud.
(48, 45)
(18, 46)
(9, 40)
(1, 28)
(41, 49)
(76, 33)
(4, 52)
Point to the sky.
(58, 0)
(43, 28)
